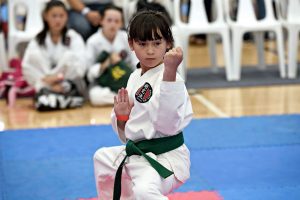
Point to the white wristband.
(85, 11)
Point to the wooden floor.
(210, 103)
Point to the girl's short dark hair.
(149, 25)
(110, 7)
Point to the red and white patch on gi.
(144, 93)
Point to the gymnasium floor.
(272, 109)
(207, 103)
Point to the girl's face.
(56, 19)
(111, 23)
(150, 53)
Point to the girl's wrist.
(169, 75)
(123, 118)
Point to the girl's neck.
(145, 69)
(109, 37)
(55, 36)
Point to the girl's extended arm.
(173, 103)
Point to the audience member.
(109, 58)
(54, 60)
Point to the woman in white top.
(53, 60)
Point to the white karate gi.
(52, 58)
(167, 112)
(96, 44)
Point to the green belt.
(156, 146)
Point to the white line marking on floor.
(212, 107)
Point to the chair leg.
(280, 49)
(3, 55)
(259, 41)
(227, 55)
(237, 39)
(12, 95)
(292, 52)
(180, 40)
(185, 48)
(212, 51)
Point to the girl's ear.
(130, 42)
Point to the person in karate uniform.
(54, 60)
(106, 48)
(149, 116)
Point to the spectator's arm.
(92, 16)
(76, 5)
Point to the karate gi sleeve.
(33, 63)
(174, 108)
(77, 62)
(93, 67)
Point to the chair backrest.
(32, 10)
(293, 11)
(270, 15)
(198, 15)
(246, 13)
(129, 8)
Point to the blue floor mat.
(243, 132)
(241, 158)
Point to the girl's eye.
(141, 44)
(157, 43)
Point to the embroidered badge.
(144, 93)
(117, 72)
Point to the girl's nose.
(150, 49)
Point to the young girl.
(105, 49)
(54, 60)
(149, 115)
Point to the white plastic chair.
(247, 22)
(3, 54)
(33, 23)
(199, 24)
(292, 23)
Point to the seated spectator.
(109, 58)
(54, 60)
(84, 15)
